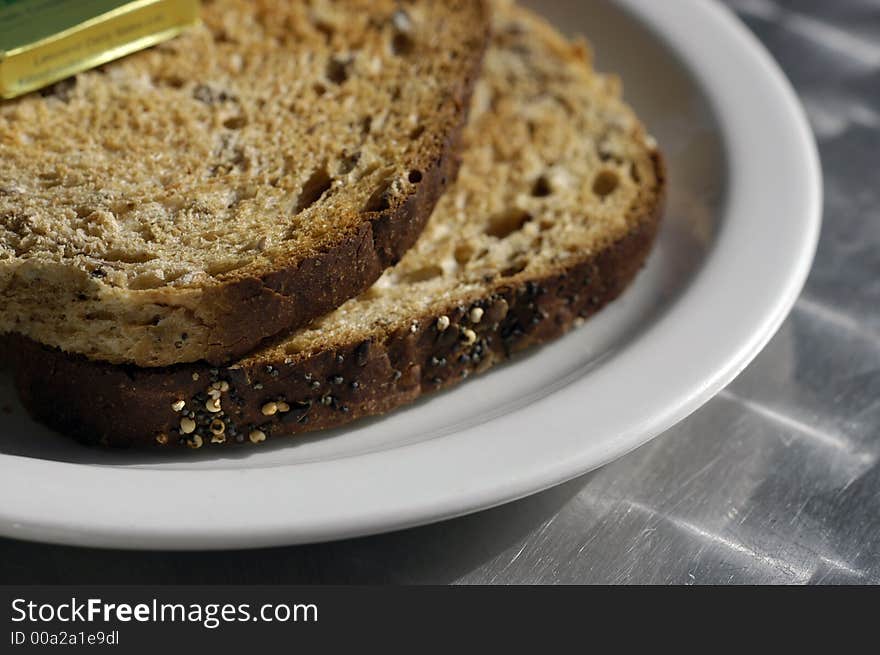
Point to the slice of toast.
(189, 201)
(555, 210)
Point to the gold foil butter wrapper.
(44, 41)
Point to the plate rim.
(370, 504)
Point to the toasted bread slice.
(191, 200)
(556, 208)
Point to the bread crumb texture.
(554, 212)
(556, 169)
(131, 195)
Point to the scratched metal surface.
(775, 481)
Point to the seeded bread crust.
(67, 277)
(124, 407)
(382, 351)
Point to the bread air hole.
(326, 29)
(415, 177)
(50, 179)
(402, 44)
(337, 70)
(422, 275)
(514, 269)
(235, 123)
(634, 174)
(541, 188)
(463, 253)
(380, 200)
(504, 224)
(347, 163)
(128, 257)
(315, 187)
(222, 36)
(605, 183)
(172, 81)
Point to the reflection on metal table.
(776, 480)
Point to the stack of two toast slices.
(195, 241)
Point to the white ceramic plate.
(735, 249)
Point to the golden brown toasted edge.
(198, 406)
(253, 305)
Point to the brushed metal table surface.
(775, 481)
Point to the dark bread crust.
(126, 406)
